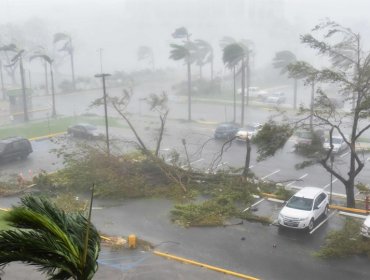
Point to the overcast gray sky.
(120, 27)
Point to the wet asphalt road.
(265, 251)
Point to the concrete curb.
(210, 267)
(46, 136)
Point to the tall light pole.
(103, 75)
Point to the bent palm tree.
(67, 47)
(234, 54)
(18, 58)
(204, 55)
(52, 240)
(146, 53)
(47, 59)
(281, 60)
(185, 52)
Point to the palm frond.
(49, 239)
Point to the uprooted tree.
(349, 70)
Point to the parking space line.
(368, 159)
(300, 178)
(320, 224)
(276, 171)
(334, 180)
(198, 160)
(258, 202)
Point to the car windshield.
(337, 140)
(304, 135)
(90, 127)
(300, 203)
(250, 128)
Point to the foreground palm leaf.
(49, 238)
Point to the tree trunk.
(248, 79)
(312, 104)
(46, 78)
(295, 94)
(2, 79)
(247, 157)
(189, 90)
(73, 70)
(350, 194)
(234, 78)
(53, 114)
(243, 91)
(25, 109)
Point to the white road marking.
(344, 154)
(258, 202)
(276, 171)
(332, 182)
(165, 149)
(185, 165)
(368, 159)
(198, 160)
(250, 167)
(300, 178)
(320, 224)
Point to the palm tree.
(67, 47)
(47, 59)
(18, 58)
(281, 60)
(146, 53)
(52, 240)
(185, 52)
(225, 41)
(234, 54)
(204, 55)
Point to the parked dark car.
(14, 148)
(85, 130)
(226, 130)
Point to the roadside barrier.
(210, 267)
(346, 209)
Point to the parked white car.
(276, 98)
(304, 208)
(250, 130)
(365, 228)
(339, 145)
(254, 92)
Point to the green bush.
(345, 242)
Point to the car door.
(319, 205)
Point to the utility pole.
(103, 75)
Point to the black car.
(226, 130)
(14, 147)
(84, 130)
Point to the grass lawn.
(45, 127)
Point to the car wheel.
(311, 225)
(326, 212)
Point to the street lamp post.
(103, 75)
(331, 176)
